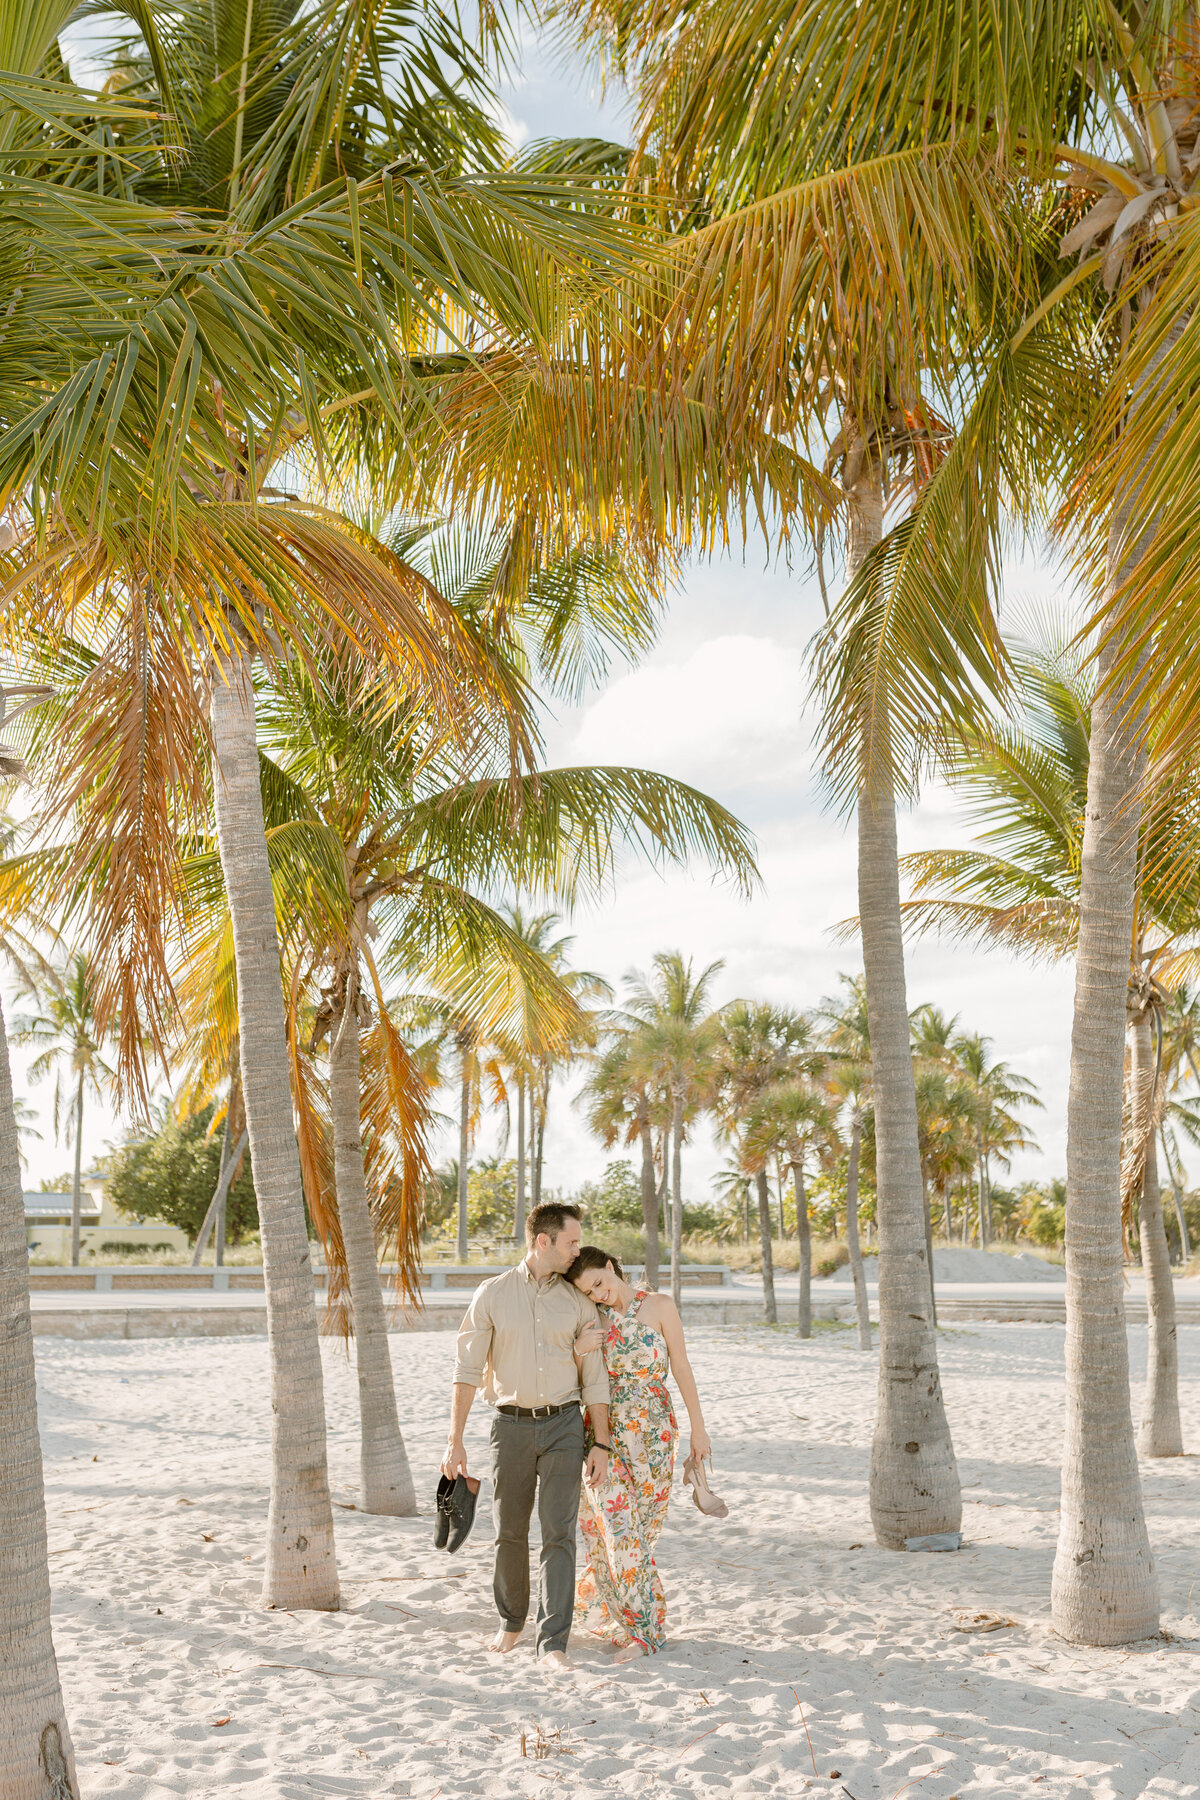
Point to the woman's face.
(600, 1285)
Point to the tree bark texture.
(36, 1758)
(861, 1305)
(914, 1479)
(770, 1313)
(677, 1198)
(1104, 1588)
(301, 1566)
(386, 1479)
(1160, 1433)
(804, 1235)
(649, 1205)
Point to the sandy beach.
(787, 1626)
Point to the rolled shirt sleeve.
(593, 1376)
(473, 1349)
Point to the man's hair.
(550, 1218)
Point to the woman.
(620, 1595)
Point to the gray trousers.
(542, 1457)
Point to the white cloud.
(727, 714)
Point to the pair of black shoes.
(455, 1512)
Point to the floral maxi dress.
(620, 1595)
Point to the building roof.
(46, 1207)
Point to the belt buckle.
(542, 1412)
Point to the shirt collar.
(529, 1275)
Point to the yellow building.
(48, 1225)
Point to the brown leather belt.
(538, 1412)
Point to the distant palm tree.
(64, 1028)
(532, 1066)
(676, 1035)
(626, 1103)
(761, 1051)
(848, 1045)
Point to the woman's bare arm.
(665, 1315)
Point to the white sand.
(155, 1448)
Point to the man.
(517, 1342)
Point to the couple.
(533, 1339)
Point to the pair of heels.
(708, 1503)
(455, 1511)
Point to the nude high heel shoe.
(708, 1503)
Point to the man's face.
(560, 1253)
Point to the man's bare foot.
(552, 1660)
(630, 1653)
(504, 1641)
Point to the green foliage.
(615, 1200)
(172, 1174)
(491, 1199)
(1042, 1212)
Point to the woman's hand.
(590, 1338)
(701, 1445)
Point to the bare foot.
(556, 1660)
(630, 1653)
(503, 1642)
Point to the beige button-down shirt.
(516, 1342)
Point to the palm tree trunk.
(805, 1237)
(649, 1204)
(301, 1566)
(35, 1743)
(1104, 1589)
(782, 1220)
(464, 1149)
(983, 1198)
(861, 1306)
(77, 1179)
(677, 1198)
(1185, 1247)
(764, 1239)
(386, 1479)
(519, 1220)
(1159, 1433)
(539, 1145)
(216, 1206)
(914, 1480)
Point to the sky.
(719, 703)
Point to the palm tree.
(995, 1090)
(383, 836)
(848, 1044)
(535, 1064)
(624, 1104)
(65, 1029)
(765, 1058)
(675, 1039)
(790, 1119)
(1109, 98)
(328, 267)
(1028, 784)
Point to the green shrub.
(169, 1178)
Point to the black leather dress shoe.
(462, 1511)
(441, 1529)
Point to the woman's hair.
(591, 1257)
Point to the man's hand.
(455, 1460)
(597, 1467)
